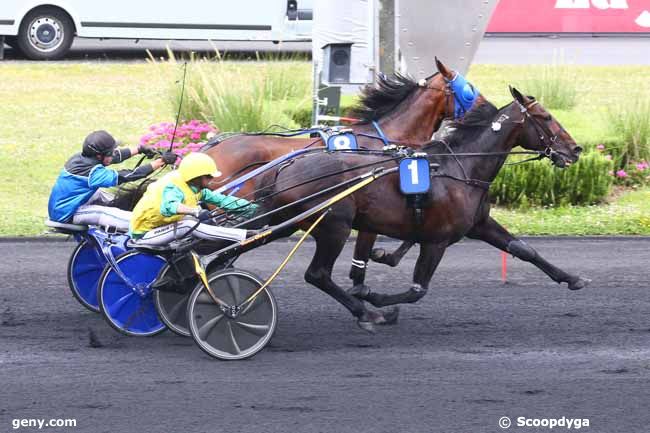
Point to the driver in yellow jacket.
(161, 215)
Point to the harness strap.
(471, 182)
(382, 136)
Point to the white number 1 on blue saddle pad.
(345, 141)
(414, 176)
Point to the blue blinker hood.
(464, 95)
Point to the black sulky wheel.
(225, 337)
(172, 309)
(172, 306)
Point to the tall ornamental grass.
(538, 183)
(235, 96)
(554, 85)
(630, 123)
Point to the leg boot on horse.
(492, 232)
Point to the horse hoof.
(579, 283)
(366, 325)
(377, 255)
(390, 316)
(359, 291)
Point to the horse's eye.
(548, 117)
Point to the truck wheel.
(46, 33)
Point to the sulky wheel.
(130, 308)
(232, 337)
(172, 307)
(172, 310)
(84, 270)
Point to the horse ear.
(517, 95)
(444, 70)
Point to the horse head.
(543, 132)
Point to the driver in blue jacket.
(76, 196)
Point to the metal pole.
(387, 36)
(315, 86)
(2, 47)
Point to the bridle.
(447, 90)
(547, 137)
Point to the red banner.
(571, 16)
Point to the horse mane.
(381, 98)
(467, 129)
(473, 123)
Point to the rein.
(138, 189)
(398, 153)
(541, 131)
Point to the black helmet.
(99, 143)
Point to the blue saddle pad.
(343, 141)
(414, 176)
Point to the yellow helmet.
(197, 164)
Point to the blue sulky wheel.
(225, 336)
(84, 270)
(129, 309)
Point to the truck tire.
(46, 33)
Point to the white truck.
(45, 29)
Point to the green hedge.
(540, 183)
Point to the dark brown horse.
(407, 112)
(458, 206)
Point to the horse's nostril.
(578, 150)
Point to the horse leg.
(362, 252)
(329, 244)
(380, 255)
(493, 233)
(428, 260)
(362, 248)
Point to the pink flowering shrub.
(190, 136)
(634, 174)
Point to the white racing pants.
(95, 213)
(165, 234)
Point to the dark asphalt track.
(473, 350)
